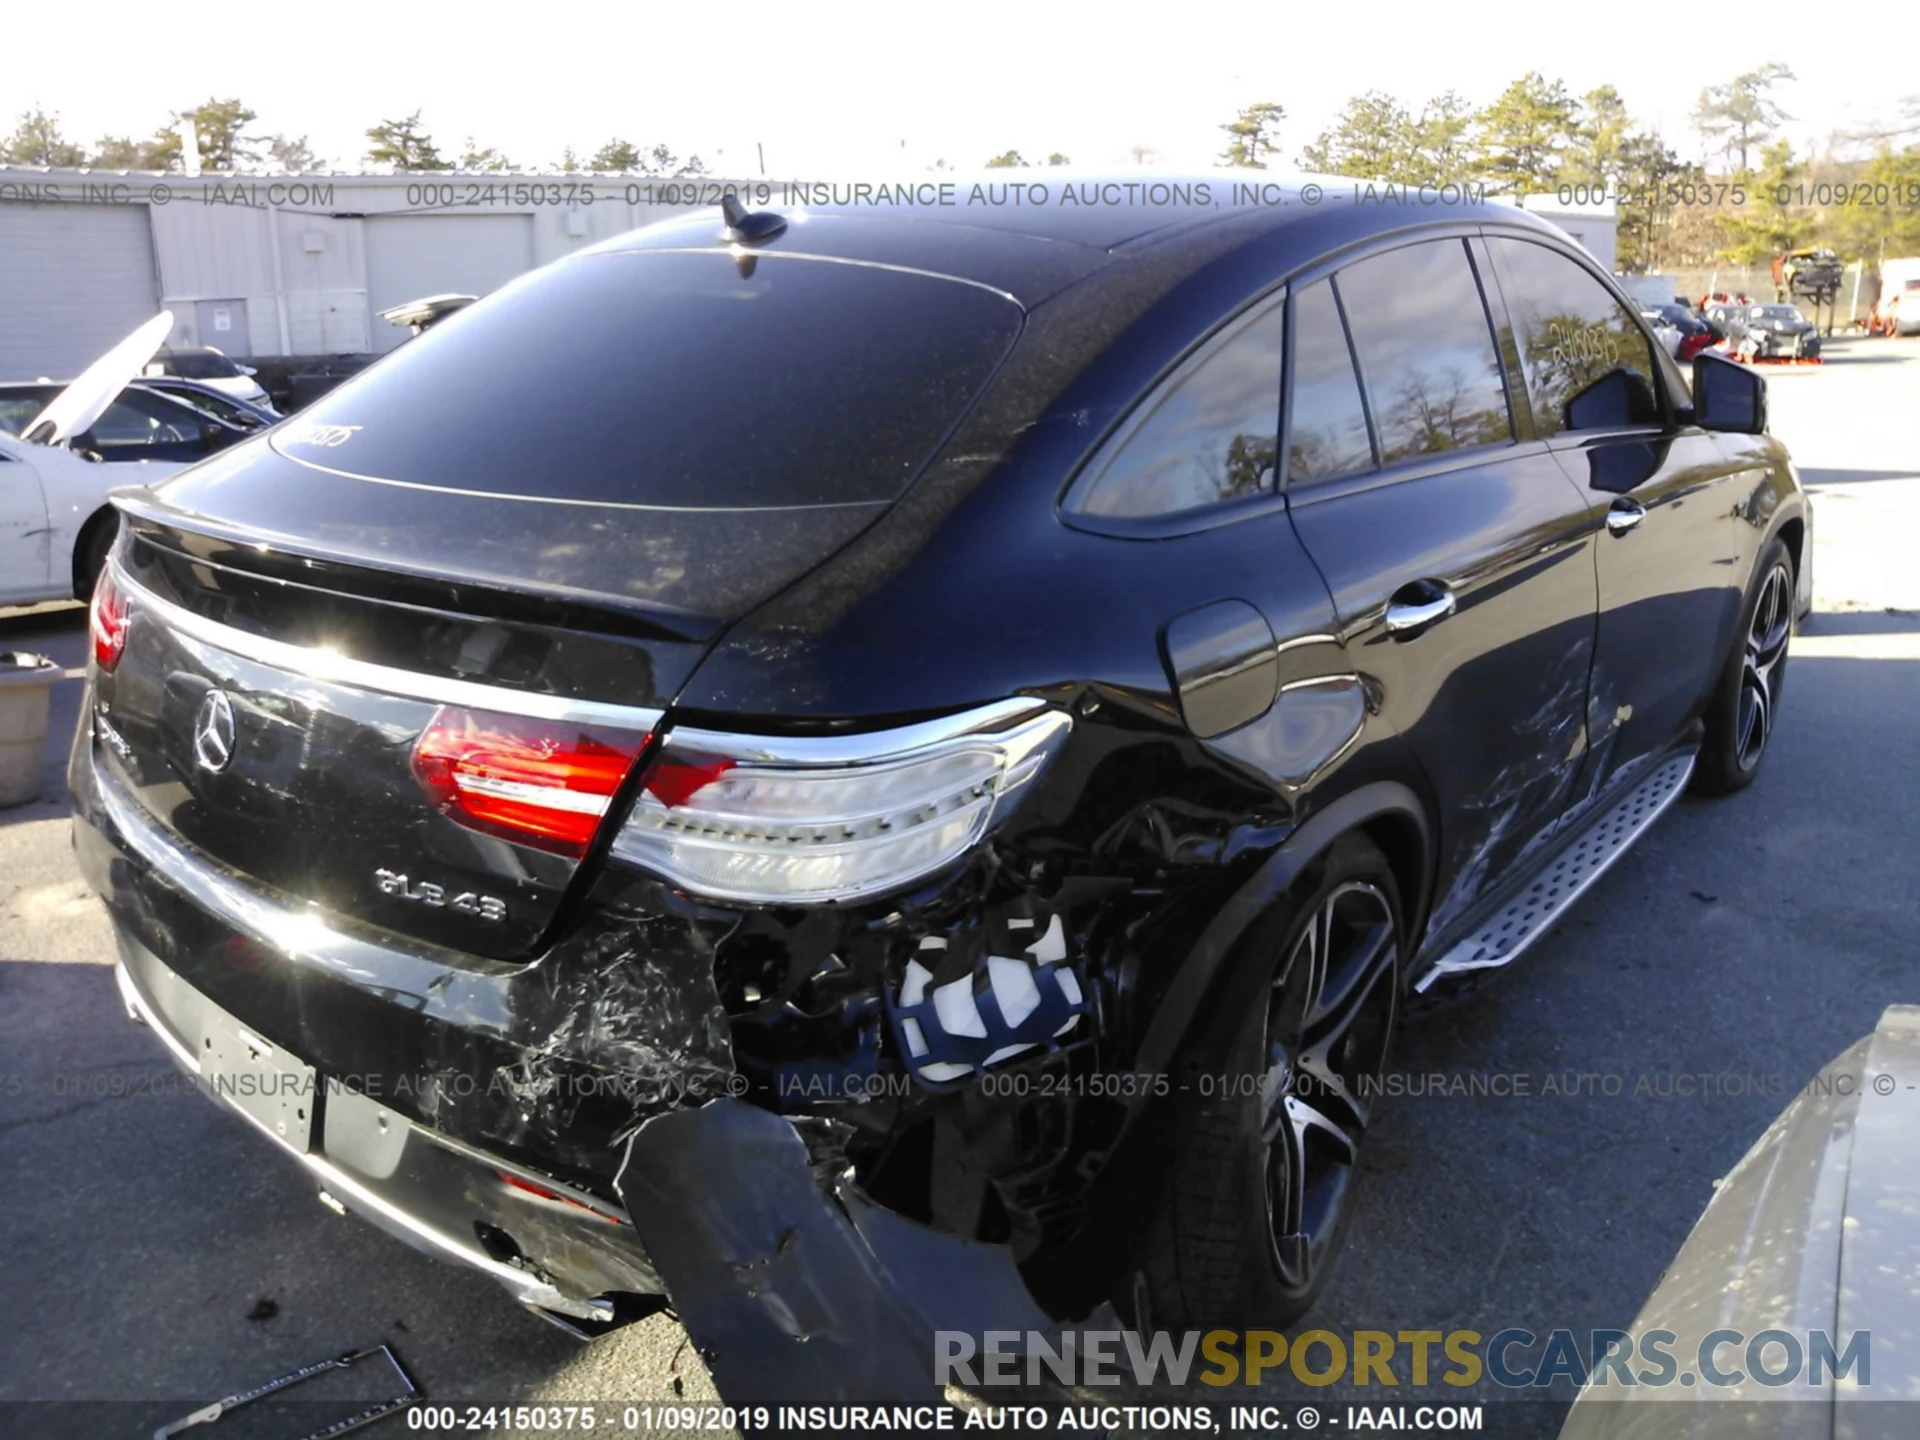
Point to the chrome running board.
(1531, 913)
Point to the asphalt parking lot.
(159, 1255)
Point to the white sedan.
(55, 523)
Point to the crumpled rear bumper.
(792, 1284)
(797, 1291)
(553, 1247)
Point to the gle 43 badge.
(423, 892)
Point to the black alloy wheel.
(1745, 705)
(1763, 664)
(1276, 1096)
(1329, 1019)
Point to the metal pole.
(279, 279)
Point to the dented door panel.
(1492, 698)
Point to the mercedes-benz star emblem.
(213, 732)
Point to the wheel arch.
(1388, 813)
(1792, 530)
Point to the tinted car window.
(1209, 434)
(198, 365)
(1426, 349)
(1573, 334)
(1327, 432)
(131, 421)
(17, 411)
(216, 405)
(672, 379)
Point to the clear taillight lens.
(746, 818)
(544, 783)
(107, 622)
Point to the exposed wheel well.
(1794, 533)
(1399, 839)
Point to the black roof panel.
(1033, 233)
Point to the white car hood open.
(75, 408)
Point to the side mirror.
(1727, 396)
(211, 434)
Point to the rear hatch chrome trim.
(318, 663)
(300, 934)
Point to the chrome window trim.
(330, 666)
(733, 253)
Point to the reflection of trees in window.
(1210, 437)
(1249, 460)
(1329, 426)
(1225, 472)
(1314, 451)
(1434, 410)
(1338, 445)
(1186, 477)
(1423, 341)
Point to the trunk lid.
(513, 539)
(277, 727)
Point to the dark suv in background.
(917, 798)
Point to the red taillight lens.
(677, 779)
(544, 783)
(108, 622)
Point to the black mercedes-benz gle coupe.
(866, 773)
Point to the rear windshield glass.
(672, 379)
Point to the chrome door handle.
(1403, 619)
(1623, 515)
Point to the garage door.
(78, 279)
(413, 256)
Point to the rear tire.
(1746, 698)
(1261, 1184)
(91, 550)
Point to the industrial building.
(280, 265)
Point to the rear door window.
(1426, 350)
(18, 411)
(135, 419)
(1588, 362)
(1210, 434)
(1327, 424)
(676, 380)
